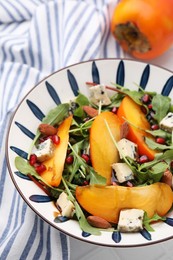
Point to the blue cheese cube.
(45, 150)
(65, 206)
(131, 220)
(167, 122)
(127, 148)
(98, 94)
(122, 172)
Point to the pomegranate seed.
(146, 98)
(86, 158)
(155, 127)
(69, 159)
(85, 183)
(143, 159)
(144, 110)
(40, 168)
(160, 140)
(32, 159)
(114, 110)
(150, 106)
(55, 139)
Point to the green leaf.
(156, 146)
(82, 100)
(24, 167)
(57, 114)
(148, 221)
(161, 105)
(96, 178)
(160, 133)
(84, 225)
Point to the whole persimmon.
(143, 28)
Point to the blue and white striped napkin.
(38, 37)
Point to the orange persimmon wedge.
(55, 165)
(131, 112)
(102, 149)
(107, 201)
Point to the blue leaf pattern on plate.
(169, 221)
(85, 234)
(145, 76)
(145, 234)
(61, 219)
(23, 176)
(95, 73)
(40, 198)
(36, 111)
(19, 152)
(73, 83)
(120, 77)
(25, 130)
(116, 236)
(53, 93)
(167, 87)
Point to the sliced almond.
(98, 222)
(47, 129)
(124, 130)
(92, 112)
(167, 178)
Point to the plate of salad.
(93, 155)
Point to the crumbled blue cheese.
(98, 94)
(167, 122)
(122, 172)
(45, 150)
(131, 220)
(66, 207)
(127, 148)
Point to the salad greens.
(79, 172)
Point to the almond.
(167, 178)
(98, 222)
(92, 112)
(124, 130)
(47, 129)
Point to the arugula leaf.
(96, 178)
(156, 172)
(156, 146)
(82, 100)
(160, 133)
(147, 221)
(84, 225)
(57, 114)
(80, 164)
(161, 105)
(25, 168)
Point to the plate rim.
(150, 243)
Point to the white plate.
(62, 86)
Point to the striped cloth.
(38, 37)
